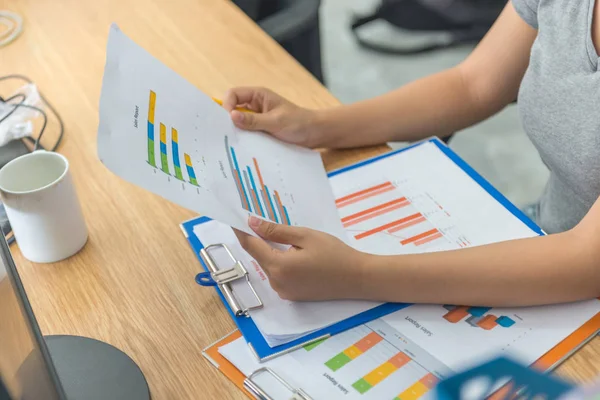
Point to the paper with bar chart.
(388, 359)
(460, 336)
(418, 201)
(358, 364)
(161, 133)
(280, 321)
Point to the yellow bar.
(163, 133)
(174, 135)
(380, 373)
(352, 352)
(188, 160)
(414, 392)
(151, 107)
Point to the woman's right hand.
(272, 114)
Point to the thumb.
(277, 233)
(254, 121)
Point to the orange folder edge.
(211, 353)
(561, 351)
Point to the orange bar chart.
(418, 237)
(284, 217)
(456, 314)
(407, 225)
(488, 322)
(387, 226)
(364, 194)
(428, 239)
(374, 211)
(380, 373)
(353, 351)
(422, 386)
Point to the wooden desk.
(132, 285)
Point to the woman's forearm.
(542, 270)
(438, 105)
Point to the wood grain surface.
(133, 283)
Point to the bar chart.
(380, 373)
(165, 164)
(365, 364)
(175, 152)
(476, 317)
(151, 111)
(164, 158)
(386, 211)
(254, 194)
(419, 388)
(351, 352)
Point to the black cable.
(58, 118)
(13, 97)
(37, 142)
(11, 112)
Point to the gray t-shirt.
(559, 101)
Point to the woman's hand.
(272, 114)
(318, 266)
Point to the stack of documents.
(405, 354)
(423, 198)
(279, 321)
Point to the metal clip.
(223, 278)
(259, 393)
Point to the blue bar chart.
(254, 194)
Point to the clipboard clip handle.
(205, 279)
(260, 394)
(224, 277)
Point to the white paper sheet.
(337, 368)
(461, 339)
(425, 192)
(161, 133)
(280, 321)
(404, 354)
(421, 181)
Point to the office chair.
(3, 392)
(294, 24)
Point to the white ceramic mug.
(42, 206)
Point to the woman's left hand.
(318, 266)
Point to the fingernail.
(237, 117)
(254, 222)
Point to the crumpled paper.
(19, 124)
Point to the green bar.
(165, 163)
(361, 386)
(151, 159)
(312, 345)
(178, 173)
(193, 181)
(338, 362)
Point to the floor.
(498, 148)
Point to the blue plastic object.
(205, 279)
(480, 382)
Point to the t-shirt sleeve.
(527, 9)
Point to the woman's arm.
(440, 104)
(557, 268)
(550, 269)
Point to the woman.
(545, 52)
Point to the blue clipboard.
(249, 329)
